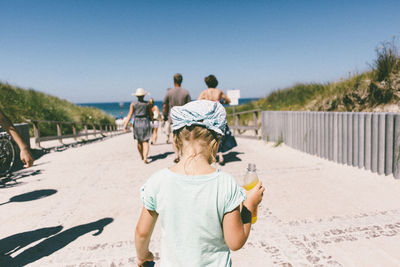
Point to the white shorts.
(154, 124)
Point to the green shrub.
(387, 61)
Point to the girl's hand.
(148, 257)
(254, 196)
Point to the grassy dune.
(21, 104)
(375, 90)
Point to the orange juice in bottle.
(250, 180)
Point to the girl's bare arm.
(129, 116)
(144, 229)
(236, 224)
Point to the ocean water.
(121, 109)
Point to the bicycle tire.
(7, 155)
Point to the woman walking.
(213, 94)
(156, 121)
(141, 128)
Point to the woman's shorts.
(154, 124)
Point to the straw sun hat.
(140, 92)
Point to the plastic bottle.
(250, 180)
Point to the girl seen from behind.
(198, 206)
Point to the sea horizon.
(119, 109)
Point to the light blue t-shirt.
(191, 209)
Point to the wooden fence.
(253, 124)
(361, 139)
(96, 129)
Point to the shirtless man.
(213, 93)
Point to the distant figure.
(199, 207)
(176, 96)
(156, 121)
(25, 154)
(213, 94)
(165, 125)
(141, 127)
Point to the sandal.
(176, 160)
(146, 161)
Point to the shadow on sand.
(12, 179)
(36, 154)
(232, 156)
(54, 241)
(34, 195)
(18, 171)
(160, 156)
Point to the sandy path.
(315, 212)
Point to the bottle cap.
(251, 167)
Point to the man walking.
(176, 96)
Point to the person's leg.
(152, 140)
(155, 130)
(169, 129)
(145, 150)
(140, 148)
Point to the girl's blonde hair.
(207, 139)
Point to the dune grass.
(358, 92)
(387, 60)
(20, 104)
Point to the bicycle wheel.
(7, 155)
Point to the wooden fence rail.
(239, 129)
(100, 130)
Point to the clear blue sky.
(101, 51)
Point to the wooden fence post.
(59, 132)
(237, 122)
(36, 132)
(74, 131)
(255, 118)
(94, 129)
(86, 132)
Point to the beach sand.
(314, 212)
